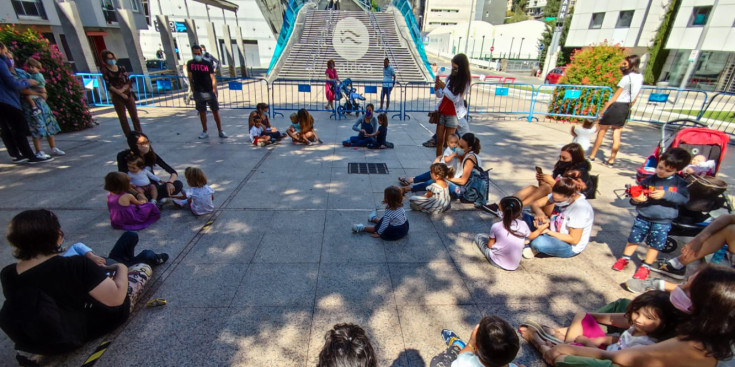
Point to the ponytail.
(512, 209)
(473, 142)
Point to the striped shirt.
(438, 202)
(392, 217)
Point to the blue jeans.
(422, 181)
(124, 251)
(546, 244)
(358, 141)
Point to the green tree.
(657, 53)
(66, 95)
(565, 52)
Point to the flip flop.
(404, 181)
(155, 302)
(539, 329)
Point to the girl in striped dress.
(437, 198)
(394, 223)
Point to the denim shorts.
(654, 233)
(449, 121)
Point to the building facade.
(702, 33)
(439, 13)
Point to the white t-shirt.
(583, 136)
(454, 163)
(578, 215)
(507, 250)
(143, 177)
(632, 82)
(627, 340)
(469, 359)
(201, 199)
(255, 132)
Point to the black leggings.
(14, 130)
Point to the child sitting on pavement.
(394, 223)
(494, 343)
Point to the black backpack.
(36, 323)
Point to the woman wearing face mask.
(141, 146)
(571, 158)
(705, 336)
(13, 127)
(366, 126)
(451, 107)
(118, 84)
(562, 225)
(617, 109)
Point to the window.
(29, 8)
(135, 5)
(445, 10)
(700, 15)
(596, 22)
(146, 11)
(624, 19)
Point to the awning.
(95, 33)
(222, 4)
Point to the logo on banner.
(351, 39)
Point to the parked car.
(554, 75)
(156, 65)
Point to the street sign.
(541, 47)
(547, 19)
(492, 48)
(693, 55)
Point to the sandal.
(155, 302)
(539, 329)
(404, 181)
(610, 164)
(429, 143)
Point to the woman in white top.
(451, 94)
(617, 109)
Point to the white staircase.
(307, 53)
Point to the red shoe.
(620, 264)
(642, 273)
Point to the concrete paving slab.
(202, 285)
(289, 247)
(435, 283)
(278, 285)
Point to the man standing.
(204, 87)
(210, 58)
(389, 79)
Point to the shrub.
(595, 66)
(66, 96)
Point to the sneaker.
(451, 338)
(357, 228)
(620, 264)
(529, 253)
(663, 267)
(642, 273)
(57, 151)
(640, 286)
(35, 160)
(223, 135)
(203, 135)
(160, 258)
(261, 143)
(42, 155)
(20, 159)
(373, 215)
(493, 209)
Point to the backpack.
(477, 188)
(36, 323)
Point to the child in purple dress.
(127, 211)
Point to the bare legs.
(37, 143)
(203, 119)
(531, 194)
(617, 133)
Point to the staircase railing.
(289, 20)
(404, 6)
(387, 50)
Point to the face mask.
(111, 62)
(624, 70)
(144, 148)
(459, 151)
(197, 58)
(563, 204)
(680, 300)
(563, 165)
(10, 62)
(368, 114)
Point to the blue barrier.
(562, 101)
(95, 87)
(719, 113)
(501, 98)
(660, 104)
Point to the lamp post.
(510, 49)
(459, 44)
(492, 47)
(482, 46)
(473, 46)
(520, 48)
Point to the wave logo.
(351, 39)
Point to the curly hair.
(347, 345)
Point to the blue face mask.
(111, 62)
(459, 151)
(10, 62)
(197, 58)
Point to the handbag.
(434, 117)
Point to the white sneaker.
(261, 143)
(203, 135)
(356, 228)
(528, 253)
(373, 215)
(223, 135)
(42, 155)
(57, 151)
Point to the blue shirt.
(388, 74)
(10, 86)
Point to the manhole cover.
(367, 168)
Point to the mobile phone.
(539, 171)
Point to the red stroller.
(706, 192)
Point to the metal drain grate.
(367, 168)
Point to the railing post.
(534, 96)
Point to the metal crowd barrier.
(561, 101)
(661, 104)
(501, 98)
(417, 97)
(96, 89)
(719, 113)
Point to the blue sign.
(235, 85)
(163, 84)
(306, 88)
(180, 27)
(90, 83)
(371, 89)
(658, 97)
(541, 47)
(501, 91)
(572, 94)
(431, 90)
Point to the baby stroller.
(351, 98)
(706, 192)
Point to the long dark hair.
(579, 162)
(458, 82)
(712, 321)
(473, 142)
(150, 157)
(512, 210)
(658, 302)
(634, 63)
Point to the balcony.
(108, 12)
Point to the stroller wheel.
(670, 246)
(341, 110)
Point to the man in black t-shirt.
(204, 87)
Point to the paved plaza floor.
(278, 266)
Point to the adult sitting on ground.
(305, 132)
(140, 145)
(571, 158)
(79, 299)
(261, 113)
(367, 128)
(704, 338)
(563, 224)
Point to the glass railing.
(289, 18)
(404, 6)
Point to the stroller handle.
(680, 123)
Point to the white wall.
(581, 35)
(721, 35)
(252, 22)
(463, 8)
(508, 38)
